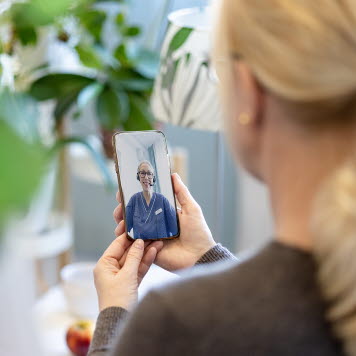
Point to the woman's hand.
(121, 269)
(195, 237)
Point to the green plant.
(120, 82)
(24, 159)
(22, 165)
(121, 79)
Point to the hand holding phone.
(195, 237)
(120, 270)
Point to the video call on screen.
(150, 211)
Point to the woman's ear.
(248, 117)
(250, 94)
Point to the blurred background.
(72, 72)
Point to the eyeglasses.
(143, 174)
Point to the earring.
(244, 118)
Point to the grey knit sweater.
(267, 305)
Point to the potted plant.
(26, 25)
(118, 80)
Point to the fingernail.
(139, 243)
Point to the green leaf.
(140, 117)
(63, 87)
(124, 104)
(131, 80)
(120, 19)
(39, 12)
(120, 53)
(41, 66)
(22, 165)
(147, 63)
(106, 57)
(58, 85)
(88, 94)
(188, 56)
(139, 84)
(169, 75)
(109, 109)
(93, 21)
(64, 104)
(131, 31)
(97, 157)
(20, 111)
(179, 39)
(27, 35)
(88, 56)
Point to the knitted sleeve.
(216, 253)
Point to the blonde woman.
(288, 77)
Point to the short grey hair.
(145, 162)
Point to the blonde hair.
(334, 231)
(304, 53)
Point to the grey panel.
(212, 179)
(94, 226)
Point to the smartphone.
(145, 184)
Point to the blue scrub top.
(156, 220)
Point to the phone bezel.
(117, 163)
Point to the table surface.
(52, 318)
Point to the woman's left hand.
(121, 269)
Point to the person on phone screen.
(149, 214)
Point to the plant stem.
(9, 46)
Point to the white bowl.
(79, 290)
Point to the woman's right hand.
(195, 237)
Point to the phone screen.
(144, 176)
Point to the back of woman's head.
(301, 50)
(304, 53)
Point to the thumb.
(134, 257)
(182, 192)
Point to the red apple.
(79, 336)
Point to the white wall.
(128, 162)
(163, 174)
